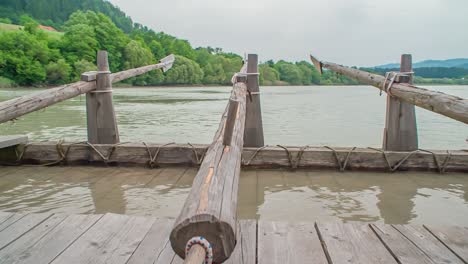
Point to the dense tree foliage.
(31, 57)
(56, 12)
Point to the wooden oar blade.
(168, 62)
(317, 64)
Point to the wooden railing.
(102, 127)
(400, 132)
(210, 210)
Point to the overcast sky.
(351, 32)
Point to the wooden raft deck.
(113, 238)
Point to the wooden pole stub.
(400, 133)
(101, 120)
(230, 121)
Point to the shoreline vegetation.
(44, 47)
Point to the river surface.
(315, 115)
(274, 195)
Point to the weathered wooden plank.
(400, 133)
(353, 243)
(453, 237)
(13, 140)
(14, 252)
(4, 216)
(156, 240)
(136, 154)
(245, 250)
(20, 227)
(281, 242)
(448, 105)
(53, 242)
(401, 248)
(253, 134)
(427, 243)
(113, 239)
(10, 220)
(211, 207)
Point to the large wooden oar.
(448, 105)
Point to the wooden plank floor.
(121, 239)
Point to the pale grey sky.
(351, 32)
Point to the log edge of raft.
(210, 209)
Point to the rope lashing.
(342, 164)
(62, 154)
(105, 158)
(247, 163)
(294, 162)
(390, 77)
(197, 158)
(205, 244)
(18, 155)
(440, 168)
(242, 74)
(398, 164)
(153, 157)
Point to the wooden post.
(230, 121)
(400, 133)
(253, 135)
(101, 121)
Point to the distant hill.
(55, 12)
(451, 63)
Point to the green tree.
(22, 56)
(82, 66)
(184, 71)
(58, 72)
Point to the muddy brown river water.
(400, 198)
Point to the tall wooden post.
(101, 121)
(253, 134)
(400, 133)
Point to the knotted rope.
(198, 159)
(342, 165)
(205, 244)
(247, 163)
(397, 165)
(391, 77)
(294, 162)
(153, 157)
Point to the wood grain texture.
(211, 207)
(113, 239)
(427, 243)
(253, 135)
(156, 240)
(281, 242)
(245, 250)
(453, 237)
(400, 133)
(448, 105)
(136, 154)
(101, 120)
(49, 246)
(14, 252)
(400, 247)
(13, 140)
(20, 227)
(353, 243)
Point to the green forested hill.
(56, 12)
(30, 56)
